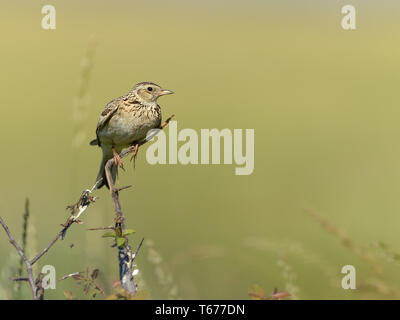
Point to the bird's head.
(149, 91)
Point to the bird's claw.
(117, 160)
(135, 152)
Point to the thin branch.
(125, 256)
(76, 210)
(123, 188)
(52, 242)
(137, 249)
(24, 237)
(20, 279)
(102, 228)
(24, 258)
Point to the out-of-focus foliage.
(324, 104)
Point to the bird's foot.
(117, 159)
(135, 152)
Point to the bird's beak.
(164, 92)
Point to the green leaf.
(109, 235)
(127, 232)
(120, 242)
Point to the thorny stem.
(36, 284)
(125, 255)
(21, 253)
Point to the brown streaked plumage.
(127, 120)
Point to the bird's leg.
(135, 152)
(117, 158)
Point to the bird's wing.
(105, 116)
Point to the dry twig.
(125, 255)
(36, 284)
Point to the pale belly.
(125, 128)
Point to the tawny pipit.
(124, 122)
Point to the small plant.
(88, 281)
(257, 293)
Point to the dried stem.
(102, 228)
(125, 255)
(61, 233)
(24, 239)
(21, 253)
(36, 284)
(358, 251)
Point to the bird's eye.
(149, 88)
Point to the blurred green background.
(324, 105)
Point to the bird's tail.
(101, 179)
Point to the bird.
(124, 122)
